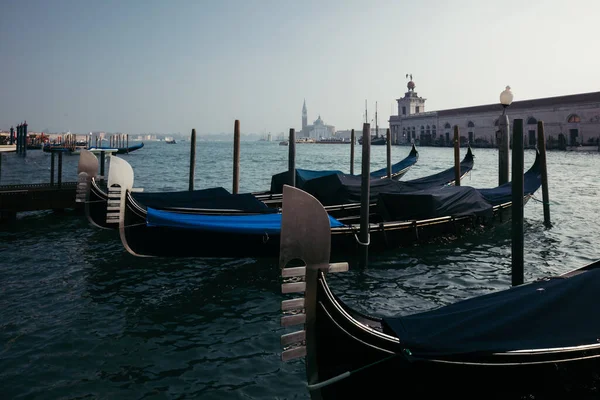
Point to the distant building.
(318, 129)
(572, 120)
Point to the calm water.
(81, 318)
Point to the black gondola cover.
(433, 203)
(515, 319)
(214, 198)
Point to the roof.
(593, 97)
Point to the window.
(422, 130)
(470, 124)
(403, 110)
(574, 118)
(417, 109)
(447, 126)
(531, 121)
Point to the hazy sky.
(172, 65)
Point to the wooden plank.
(338, 267)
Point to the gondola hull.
(384, 366)
(166, 241)
(538, 340)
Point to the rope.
(540, 201)
(361, 243)
(347, 374)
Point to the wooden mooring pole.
(59, 177)
(388, 145)
(365, 196)
(456, 156)
(102, 161)
(236, 156)
(51, 168)
(503, 140)
(352, 140)
(517, 202)
(292, 158)
(192, 159)
(545, 195)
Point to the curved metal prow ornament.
(87, 168)
(305, 236)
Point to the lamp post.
(506, 98)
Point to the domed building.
(318, 129)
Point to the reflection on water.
(80, 317)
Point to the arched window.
(447, 126)
(422, 130)
(470, 124)
(413, 133)
(574, 118)
(433, 132)
(428, 130)
(531, 121)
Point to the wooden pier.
(36, 197)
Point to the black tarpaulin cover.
(305, 175)
(532, 180)
(555, 312)
(214, 198)
(444, 177)
(432, 203)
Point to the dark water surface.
(82, 318)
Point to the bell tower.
(304, 118)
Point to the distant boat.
(170, 141)
(284, 143)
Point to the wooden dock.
(36, 197)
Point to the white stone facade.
(571, 120)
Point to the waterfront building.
(570, 121)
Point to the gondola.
(434, 212)
(398, 170)
(119, 150)
(78, 150)
(94, 192)
(534, 341)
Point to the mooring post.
(0, 167)
(18, 139)
(543, 165)
(456, 156)
(59, 177)
(127, 142)
(292, 158)
(192, 158)
(12, 133)
(388, 145)
(51, 167)
(517, 202)
(365, 195)
(25, 138)
(102, 160)
(503, 148)
(352, 140)
(236, 156)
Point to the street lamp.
(506, 98)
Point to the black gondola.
(168, 232)
(95, 192)
(536, 341)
